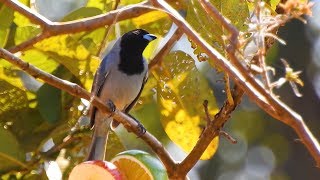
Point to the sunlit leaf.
(24, 33)
(273, 3)
(40, 60)
(127, 2)
(4, 33)
(149, 18)
(6, 18)
(21, 20)
(104, 5)
(234, 10)
(181, 91)
(82, 13)
(64, 45)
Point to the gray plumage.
(119, 78)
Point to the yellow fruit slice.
(139, 165)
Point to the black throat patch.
(130, 63)
(131, 49)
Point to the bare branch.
(236, 71)
(24, 10)
(253, 89)
(210, 132)
(56, 28)
(228, 137)
(77, 91)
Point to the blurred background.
(35, 117)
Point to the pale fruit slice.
(139, 165)
(95, 170)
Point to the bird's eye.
(136, 32)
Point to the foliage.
(36, 118)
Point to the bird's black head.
(136, 41)
(132, 45)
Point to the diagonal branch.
(77, 91)
(156, 61)
(210, 132)
(250, 86)
(56, 28)
(26, 11)
(238, 73)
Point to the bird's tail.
(99, 140)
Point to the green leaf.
(181, 91)
(64, 45)
(235, 10)
(104, 5)
(25, 32)
(6, 18)
(21, 20)
(11, 155)
(82, 13)
(11, 98)
(40, 60)
(273, 3)
(4, 34)
(114, 146)
(49, 103)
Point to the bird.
(118, 81)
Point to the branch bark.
(77, 91)
(246, 83)
(57, 28)
(250, 86)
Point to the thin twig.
(206, 111)
(228, 137)
(157, 60)
(105, 37)
(210, 132)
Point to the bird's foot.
(141, 129)
(111, 106)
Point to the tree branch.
(27, 12)
(157, 60)
(77, 91)
(210, 132)
(245, 82)
(252, 88)
(56, 28)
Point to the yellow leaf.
(64, 45)
(181, 90)
(148, 18)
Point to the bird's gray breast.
(121, 88)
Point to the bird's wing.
(98, 82)
(128, 108)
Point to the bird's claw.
(111, 106)
(141, 129)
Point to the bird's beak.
(149, 37)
